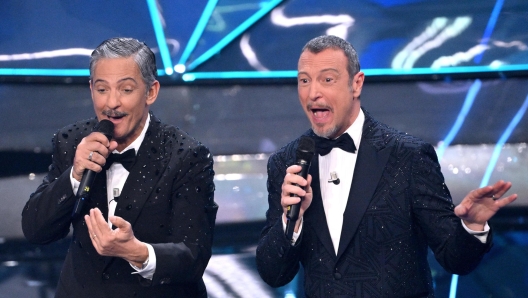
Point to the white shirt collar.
(356, 129)
(137, 142)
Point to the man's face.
(120, 95)
(329, 100)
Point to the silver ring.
(494, 198)
(90, 156)
(94, 236)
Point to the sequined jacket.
(398, 205)
(168, 199)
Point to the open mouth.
(320, 113)
(114, 115)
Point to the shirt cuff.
(149, 267)
(295, 235)
(482, 236)
(75, 184)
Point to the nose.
(114, 100)
(314, 92)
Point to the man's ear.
(357, 84)
(153, 93)
(91, 90)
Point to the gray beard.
(324, 134)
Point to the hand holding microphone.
(291, 186)
(90, 156)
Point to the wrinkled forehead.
(326, 59)
(112, 69)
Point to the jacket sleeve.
(454, 248)
(185, 258)
(277, 259)
(46, 216)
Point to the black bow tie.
(127, 159)
(324, 145)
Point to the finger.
(294, 169)
(291, 189)
(482, 192)
(120, 223)
(309, 183)
(97, 158)
(461, 210)
(295, 179)
(98, 142)
(309, 195)
(90, 155)
(113, 146)
(99, 225)
(99, 219)
(94, 237)
(500, 188)
(89, 225)
(287, 201)
(102, 152)
(505, 201)
(99, 138)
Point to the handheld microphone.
(303, 155)
(105, 127)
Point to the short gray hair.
(120, 47)
(324, 42)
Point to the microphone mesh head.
(105, 127)
(305, 149)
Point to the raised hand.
(91, 154)
(481, 204)
(119, 242)
(294, 184)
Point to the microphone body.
(304, 154)
(83, 192)
(334, 179)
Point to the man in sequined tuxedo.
(368, 235)
(147, 229)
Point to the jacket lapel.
(370, 165)
(315, 215)
(99, 197)
(140, 184)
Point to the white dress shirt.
(335, 197)
(116, 177)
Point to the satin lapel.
(367, 173)
(315, 214)
(98, 197)
(142, 179)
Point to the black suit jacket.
(398, 205)
(168, 199)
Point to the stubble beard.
(324, 133)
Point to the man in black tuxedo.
(147, 229)
(366, 235)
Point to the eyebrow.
(119, 81)
(322, 70)
(329, 69)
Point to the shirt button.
(337, 276)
